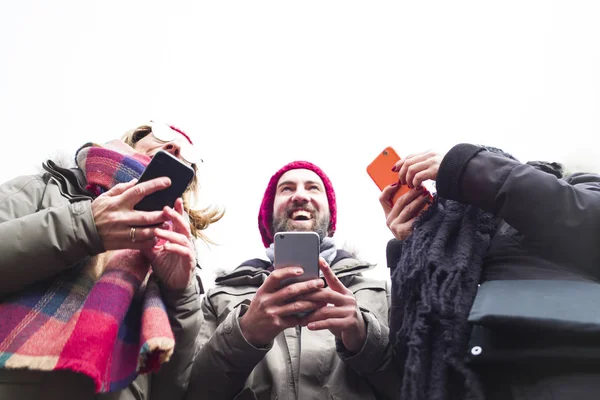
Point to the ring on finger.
(132, 234)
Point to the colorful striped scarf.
(103, 317)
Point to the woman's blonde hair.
(199, 219)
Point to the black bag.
(535, 320)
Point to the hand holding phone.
(380, 170)
(165, 164)
(274, 308)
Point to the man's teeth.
(300, 214)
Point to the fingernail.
(394, 168)
(395, 184)
(298, 271)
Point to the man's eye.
(314, 187)
(286, 189)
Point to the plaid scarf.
(104, 167)
(103, 317)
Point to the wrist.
(249, 336)
(357, 343)
(354, 341)
(245, 331)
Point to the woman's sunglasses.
(165, 133)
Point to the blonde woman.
(99, 300)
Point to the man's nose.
(300, 196)
(173, 148)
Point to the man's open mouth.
(300, 215)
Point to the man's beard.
(318, 225)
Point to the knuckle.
(260, 302)
(138, 190)
(114, 217)
(271, 313)
(291, 290)
(144, 218)
(351, 300)
(314, 284)
(325, 313)
(147, 219)
(276, 274)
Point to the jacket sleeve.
(224, 359)
(536, 203)
(183, 309)
(375, 360)
(41, 234)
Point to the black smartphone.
(165, 164)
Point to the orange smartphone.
(380, 170)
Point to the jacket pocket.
(225, 301)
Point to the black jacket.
(552, 226)
(550, 231)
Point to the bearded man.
(326, 338)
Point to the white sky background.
(261, 83)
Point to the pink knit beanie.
(265, 215)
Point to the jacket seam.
(504, 178)
(33, 179)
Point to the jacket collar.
(254, 272)
(71, 181)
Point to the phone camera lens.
(282, 236)
(385, 152)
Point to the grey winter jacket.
(298, 364)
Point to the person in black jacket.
(546, 229)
